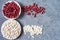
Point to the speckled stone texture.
(50, 19)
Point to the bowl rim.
(17, 4)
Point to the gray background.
(50, 20)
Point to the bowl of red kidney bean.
(11, 10)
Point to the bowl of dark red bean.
(11, 10)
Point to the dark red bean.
(32, 8)
(11, 9)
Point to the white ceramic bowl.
(17, 4)
(4, 29)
